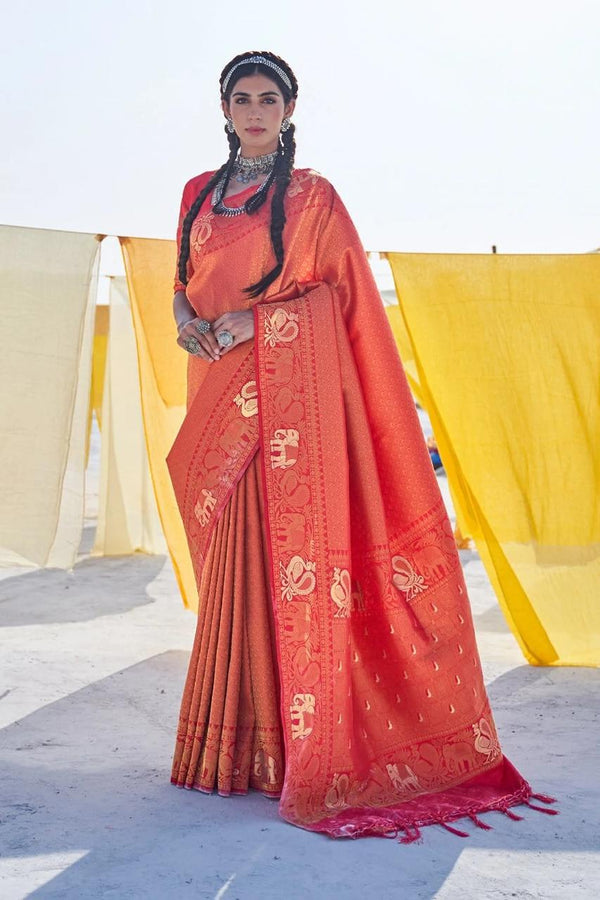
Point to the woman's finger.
(206, 338)
(209, 344)
(198, 350)
(206, 341)
(212, 343)
(221, 322)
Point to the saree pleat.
(229, 736)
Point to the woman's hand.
(239, 324)
(207, 343)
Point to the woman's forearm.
(182, 309)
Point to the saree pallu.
(384, 714)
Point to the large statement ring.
(192, 345)
(224, 339)
(202, 327)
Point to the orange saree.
(383, 722)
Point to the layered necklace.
(245, 169)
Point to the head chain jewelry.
(257, 59)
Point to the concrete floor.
(92, 669)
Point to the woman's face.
(257, 108)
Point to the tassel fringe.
(392, 823)
(543, 798)
(456, 831)
(412, 834)
(511, 815)
(480, 823)
(549, 812)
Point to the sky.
(444, 126)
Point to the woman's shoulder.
(310, 185)
(195, 184)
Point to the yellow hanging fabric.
(149, 265)
(506, 353)
(127, 515)
(101, 326)
(49, 278)
(99, 360)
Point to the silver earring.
(285, 124)
(230, 127)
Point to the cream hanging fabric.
(46, 277)
(507, 354)
(127, 516)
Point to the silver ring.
(202, 326)
(224, 339)
(192, 345)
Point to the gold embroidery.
(281, 326)
(409, 783)
(302, 705)
(486, 741)
(335, 798)
(201, 231)
(358, 598)
(265, 767)
(297, 579)
(203, 508)
(296, 188)
(281, 457)
(340, 592)
(247, 400)
(406, 579)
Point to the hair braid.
(184, 248)
(282, 172)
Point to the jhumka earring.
(285, 124)
(230, 127)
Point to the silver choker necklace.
(248, 168)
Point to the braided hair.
(281, 173)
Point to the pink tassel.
(480, 823)
(549, 812)
(543, 798)
(455, 831)
(512, 815)
(411, 834)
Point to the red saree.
(383, 709)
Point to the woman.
(334, 663)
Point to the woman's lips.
(256, 130)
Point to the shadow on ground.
(90, 772)
(105, 585)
